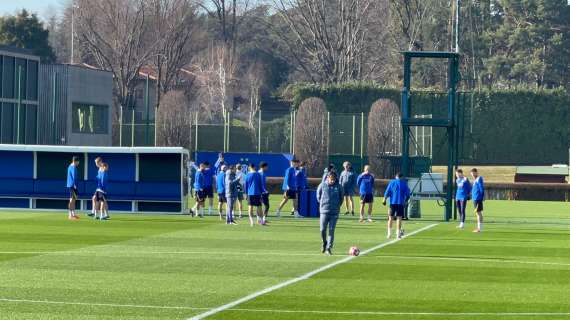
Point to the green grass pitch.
(177, 267)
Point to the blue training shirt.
(253, 184)
(263, 181)
(221, 182)
(300, 179)
(397, 191)
(365, 183)
(102, 179)
(199, 180)
(478, 191)
(72, 176)
(289, 181)
(463, 188)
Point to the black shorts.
(222, 198)
(100, 196)
(199, 195)
(367, 198)
(240, 196)
(265, 199)
(72, 193)
(254, 201)
(396, 210)
(209, 192)
(478, 204)
(290, 194)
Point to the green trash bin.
(414, 209)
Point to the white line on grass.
(99, 304)
(300, 278)
(387, 313)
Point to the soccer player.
(199, 192)
(72, 180)
(219, 163)
(231, 188)
(290, 188)
(365, 182)
(221, 189)
(461, 195)
(254, 188)
(191, 174)
(348, 182)
(399, 194)
(241, 187)
(478, 193)
(209, 175)
(330, 197)
(101, 193)
(263, 167)
(301, 182)
(94, 205)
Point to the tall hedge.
(516, 126)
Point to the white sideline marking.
(300, 278)
(98, 304)
(388, 313)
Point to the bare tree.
(327, 36)
(229, 15)
(254, 77)
(173, 24)
(113, 34)
(176, 128)
(312, 135)
(384, 132)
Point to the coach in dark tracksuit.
(329, 196)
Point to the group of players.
(100, 207)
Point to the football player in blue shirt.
(365, 183)
(263, 167)
(461, 195)
(209, 176)
(72, 181)
(399, 194)
(198, 208)
(290, 188)
(254, 188)
(94, 205)
(221, 189)
(101, 193)
(478, 194)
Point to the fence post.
(54, 101)
(353, 134)
(19, 104)
(228, 131)
(259, 132)
(291, 134)
(362, 140)
(133, 127)
(196, 137)
(328, 132)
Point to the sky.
(37, 6)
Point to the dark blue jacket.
(232, 185)
(208, 177)
(330, 198)
(263, 181)
(397, 191)
(300, 179)
(253, 184)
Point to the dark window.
(31, 124)
(8, 77)
(159, 167)
(53, 165)
(89, 118)
(32, 92)
(21, 66)
(7, 125)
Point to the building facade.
(75, 105)
(18, 96)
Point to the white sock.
(479, 226)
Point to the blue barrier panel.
(313, 204)
(115, 205)
(121, 166)
(308, 205)
(16, 187)
(16, 164)
(14, 203)
(278, 162)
